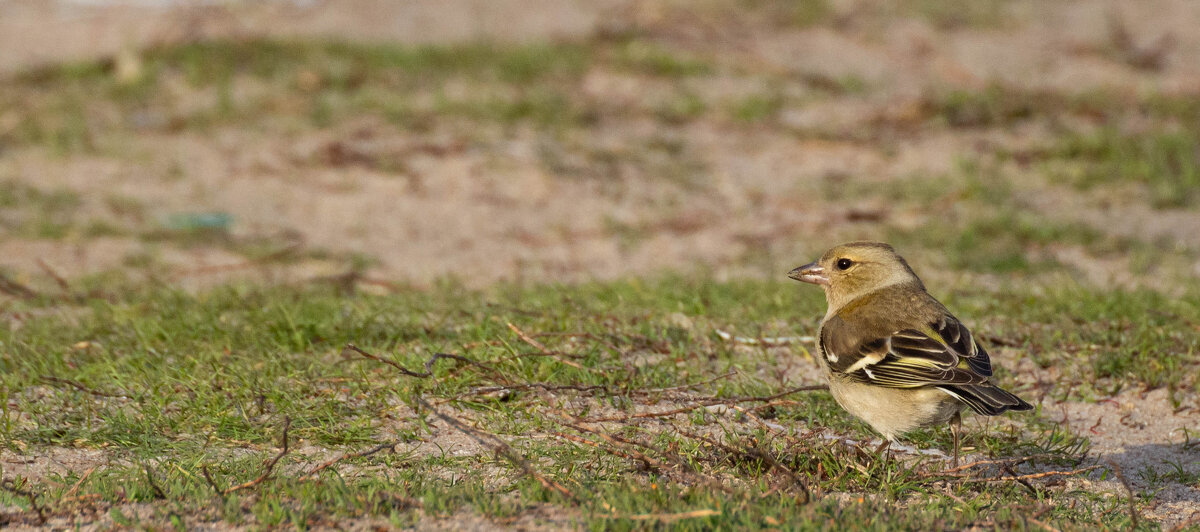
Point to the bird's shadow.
(1167, 472)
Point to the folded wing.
(942, 354)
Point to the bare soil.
(482, 204)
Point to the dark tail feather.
(986, 399)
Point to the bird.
(894, 356)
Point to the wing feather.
(958, 338)
(944, 353)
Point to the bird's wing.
(958, 338)
(938, 353)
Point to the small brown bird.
(894, 356)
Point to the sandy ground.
(484, 205)
(1140, 432)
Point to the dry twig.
(13, 288)
(1044, 526)
(329, 463)
(541, 347)
(158, 492)
(79, 386)
(500, 447)
(755, 452)
(78, 483)
(1133, 513)
(1009, 461)
(615, 452)
(268, 467)
(680, 464)
(639, 415)
(532, 386)
(18, 488)
(594, 337)
(428, 363)
(665, 518)
(1031, 476)
(58, 278)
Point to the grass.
(975, 219)
(171, 385)
(1162, 159)
(185, 395)
(37, 212)
(1167, 163)
(1116, 339)
(757, 108)
(77, 108)
(655, 60)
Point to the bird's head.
(851, 270)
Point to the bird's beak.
(810, 273)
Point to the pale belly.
(893, 411)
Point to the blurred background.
(387, 143)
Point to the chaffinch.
(894, 356)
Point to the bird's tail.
(986, 399)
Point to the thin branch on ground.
(769, 399)
(158, 492)
(428, 363)
(595, 337)
(211, 483)
(681, 465)
(749, 413)
(1009, 461)
(653, 391)
(664, 518)
(526, 338)
(531, 386)
(1023, 482)
(540, 346)
(19, 489)
(81, 387)
(13, 288)
(500, 447)
(1133, 513)
(755, 452)
(268, 467)
(1044, 526)
(639, 415)
(548, 387)
(78, 483)
(646, 465)
(1031, 476)
(773, 404)
(58, 278)
(360, 454)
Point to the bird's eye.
(844, 264)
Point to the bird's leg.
(955, 430)
(883, 447)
